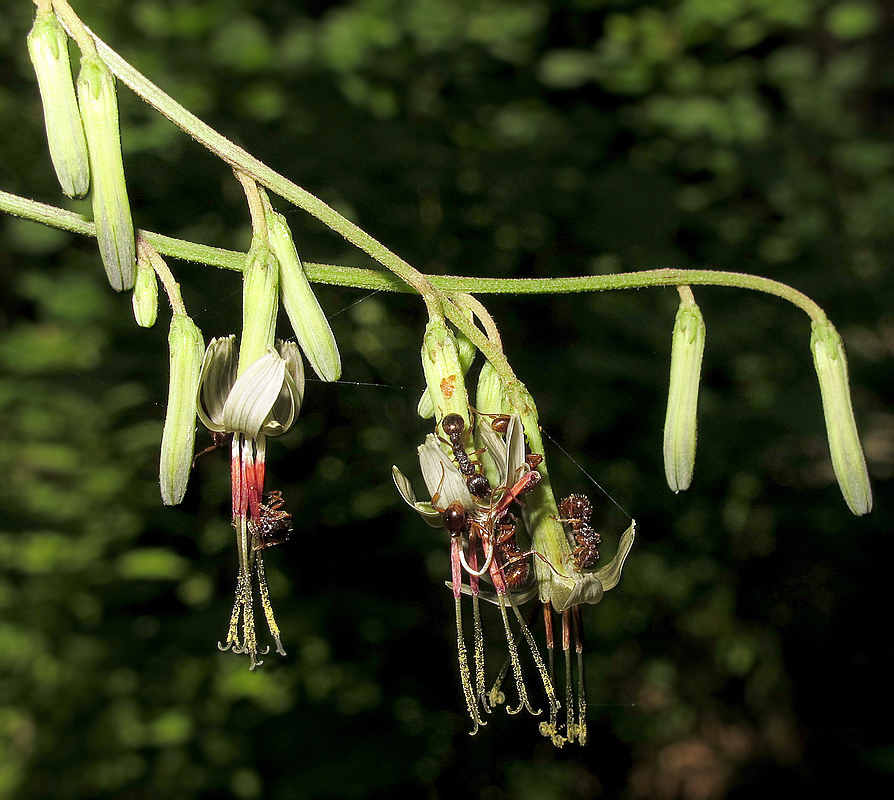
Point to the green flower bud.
(145, 295)
(682, 400)
(467, 352)
(490, 396)
(178, 438)
(443, 371)
(844, 442)
(111, 208)
(308, 320)
(48, 47)
(260, 304)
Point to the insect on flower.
(483, 548)
(273, 526)
(576, 510)
(455, 428)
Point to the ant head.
(500, 423)
(576, 506)
(455, 518)
(453, 425)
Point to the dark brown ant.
(515, 565)
(576, 510)
(218, 439)
(274, 525)
(455, 518)
(455, 427)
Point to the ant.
(455, 427)
(515, 564)
(218, 439)
(274, 525)
(576, 510)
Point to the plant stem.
(376, 280)
(243, 161)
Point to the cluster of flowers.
(489, 486)
(510, 543)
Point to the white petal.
(432, 517)
(217, 378)
(250, 402)
(442, 476)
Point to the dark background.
(746, 651)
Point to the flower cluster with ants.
(510, 542)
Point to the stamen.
(524, 702)
(581, 678)
(550, 645)
(464, 675)
(266, 605)
(570, 727)
(553, 701)
(478, 635)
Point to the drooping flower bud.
(682, 401)
(844, 441)
(308, 320)
(260, 304)
(178, 438)
(145, 294)
(48, 47)
(443, 371)
(490, 396)
(466, 351)
(111, 208)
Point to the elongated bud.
(443, 371)
(682, 397)
(308, 320)
(466, 351)
(260, 304)
(111, 208)
(145, 294)
(490, 396)
(178, 438)
(48, 47)
(844, 442)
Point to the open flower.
(263, 401)
(483, 547)
(488, 564)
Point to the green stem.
(243, 161)
(376, 280)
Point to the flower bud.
(490, 396)
(682, 400)
(308, 320)
(111, 208)
(443, 371)
(48, 47)
(178, 438)
(844, 442)
(466, 351)
(145, 294)
(260, 304)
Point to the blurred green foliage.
(743, 654)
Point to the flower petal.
(425, 510)
(249, 406)
(442, 477)
(217, 378)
